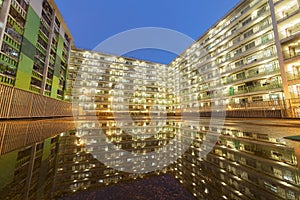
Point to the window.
(239, 63)
(265, 38)
(264, 23)
(290, 195)
(248, 33)
(233, 30)
(240, 75)
(245, 9)
(246, 21)
(257, 98)
(251, 59)
(236, 40)
(237, 51)
(271, 187)
(268, 52)
(250, 45)
(261, 10)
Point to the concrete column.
(30, 171)
(48, 54)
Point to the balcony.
(12, 23)
(18, 8)
(290, 33)
(287, 12)
(37, 75)
(10, 51)
(14, 34)
(8, 61)
(11, 42)
(252, 89)
(6, 79)
(290, 54)
(47, 93)
(35, 89)
(293, 76)
(252, 74)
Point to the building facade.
(35, 44)
(241, 63)
(246, 65)
(106, 84)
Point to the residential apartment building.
(34, 55)
(35, 44)
(286, 18)
(106, 84)
(236, 65)
(246, 65)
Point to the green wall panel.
(46, 149)
(7, 165)
(23, 79)
(57, 67)
(60, 47)
(54, 89)
(30, 38)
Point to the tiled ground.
(155, 188)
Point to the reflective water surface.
(56, 158)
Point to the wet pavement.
(49, 158)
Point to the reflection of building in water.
(242, 165)
(28, 173)
(127, 146)
(78, 169)
(28, 157)
(17, 134)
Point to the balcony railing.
(290, 32)
(290, 54)
(15, 25)
(290, 12)
(7, 79)
(18, 8)
(253, 74)
(14, 34)
(258, 88)
(35, 89)
(292, 77)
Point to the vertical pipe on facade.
(280, 55)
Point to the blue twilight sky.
(93, 21)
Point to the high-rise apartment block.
(245, 64)
(106, 83)
(35, 44)
(247, 61)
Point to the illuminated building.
(237, 64)
(34, 55)
(245, 64)
(35, 44)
